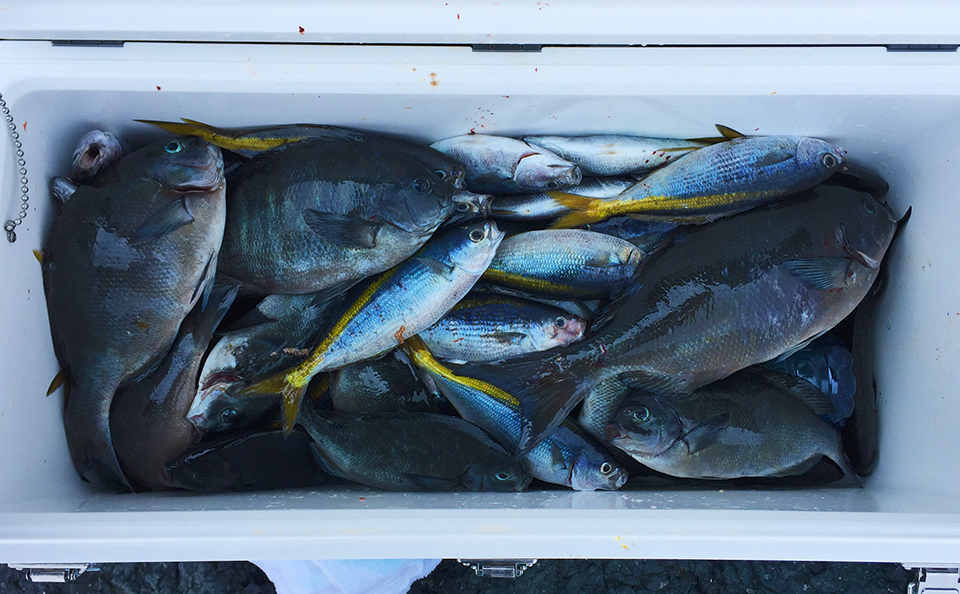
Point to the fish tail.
(582, 210)
(38, 255)
(58, 380)
(546, 394)
(186, 128)
(87, 429)
(291, 394)
(840, 458)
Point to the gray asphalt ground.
(548, 576)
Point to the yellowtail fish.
(392, 307)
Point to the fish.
(542, 207)
(501, 165)
(616, 154)
(148, 421)
(124, 263)
(715, 181)
(62, 189)
(326, 214)
(747, 425)
(278, 333)
(411, 452)
(827, 364)
(251, 461)
(568, 456)
(391, 307)
(565, 263)
(387, 384)
(740, 291)
(646, 235)
(96, 151)
(254, 140)
(488, 326)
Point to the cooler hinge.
(935, 580)
(53, 572)
(498, 568)
(507, 47)
(86, 43)
(922, 47)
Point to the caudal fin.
(581, 210)
(292, 396)
(87, 426)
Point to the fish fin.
(546, 397)
(344, 230)
(38, 255)
(437, 265)
(430, 483)
(206, 282)
(58, 380)
(556, 457)
(185, 128)
(509, 338)
(808, 393)
(821, 273)
(728, 133)
(580, 207)
(169, 218)
(325, 297)
(221, 298)
(706, 433)
(292, 396)
(663, 384)
(772, 158)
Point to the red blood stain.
(363, 499)
(302, 30)
(473, 130)
(158, 87)
(505, 96)
(458, 16)
(536, 70)
(24, 126)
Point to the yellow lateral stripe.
(301, 374)
(518, 280)
(423, 358)
(218, 138)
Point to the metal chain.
(10, 225)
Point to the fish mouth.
(857, 255)
(612, 432)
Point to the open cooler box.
(831, 77)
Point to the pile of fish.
(297, 305)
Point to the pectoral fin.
(168, 219)
(821, 273)
(344, 230)
(706, 433)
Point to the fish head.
(592, 473)
(543, 170)
(866, 229)
(496, 477)
(96, 151)
(819, 155)
(558, 331)
(187, 164)
(419, 206)
(468, 206)
(473, 246)
(218, 405)
(644, 424)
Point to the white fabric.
(361, 576)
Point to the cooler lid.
(468, 22)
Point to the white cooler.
(823, 69)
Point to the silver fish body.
(543, 207)
(616, 154)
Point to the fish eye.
(829, 161)
(440, 173)
(606, 468)
(228, 416)
(869, 206)
(173, 147)
(420, 185)
(552, 185)
(501, 476)
(641, 414)
(476, 236)
(463, 207)
(560, 322)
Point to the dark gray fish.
(646, 235)
(411, 452)
(323, 214)
(747, 425)
(148, 419)
(250, 462)
(387, 384)
(731, 294)
(124, 264)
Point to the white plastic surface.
(894, 112)
(618, 22)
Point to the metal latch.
(507, 47)
(53, 572)
(935, 580)
(498, 568)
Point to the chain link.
(11, 225)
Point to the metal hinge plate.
(498, 568)
(922, 47)
(935, 580)
(53, 572)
